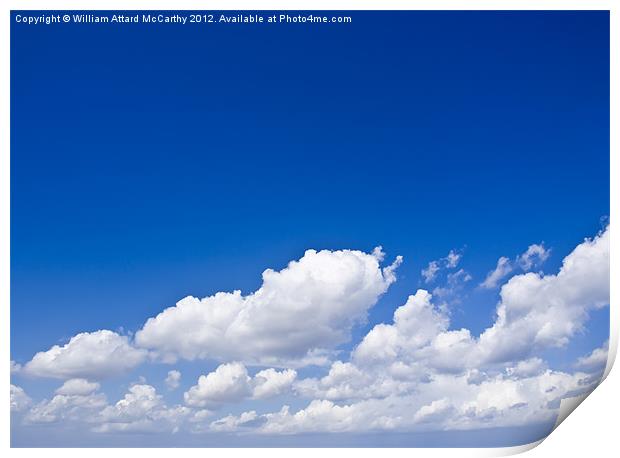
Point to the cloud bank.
(414, 373)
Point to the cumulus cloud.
(416, 324)
(493, 278)
(433, 412)
(231, 383)
(447, 402)
(535, 255)
(76, 400)
(77, 387)
(453, 259)
(90, 355)
(15, 367)
(412, 374)
(527, 368)
(535, 312)
(19, 399)
(228, 383)
(538, 311)
(140, 410)
(173, 379)
(232, 423)
(430, 272)
(433, 267)
(595, 361)
(270, 382)
(418, 374)
(296, 315)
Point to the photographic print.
(306, 228)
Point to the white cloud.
(413, 374)
(415, 325)
(533, 256)
(595, 361)
(269, 382)
(448, 262)
(15, 367)
(453, 259)
(538, 311)
(93, 355)
(503, 268)
(433, 412)
(430, 272)
(446, 402)
(451, 292)
(173, 379)
(318, 416)
(527, 368)
(67, 407)
(228, 383)
(141, 410)
(300, 312)
(77, 387)
(19, 399)
(231, 383)
(232, 423)
(535, 311)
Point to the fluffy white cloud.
(19, 399)
(503, 268)
(232, 423)
(416, 324)
(305, 309)
(547, 310)
(90, 355)
(430, 272)
(433, 412)
(535, 255)
(228, 383)
(527, 368)
(141, 410)
(231, 383)
(173, 379)
(270, 382)
(448, 262)
(453, 259)
(68, 407)
(535, 311)
(77, 387)
(15, 367)
(595, 361)
(413, 374)
(446, 402)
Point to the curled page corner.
(567, 406)
(612, 350)
(518, 449)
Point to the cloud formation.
(295, 317)
(89, 355)
(173, 379)
(77, 387)
(502, 269)
(534, 256)
(415, 373)
(19, 399)
(231, 383)
(434, 267)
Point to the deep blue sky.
(149, 162)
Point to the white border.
(591, 430)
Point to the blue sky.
(152, 162)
